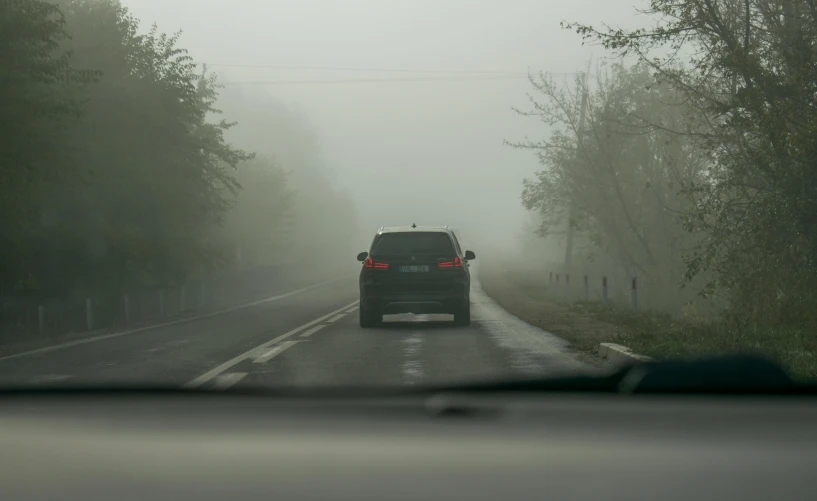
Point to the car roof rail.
(415, 226)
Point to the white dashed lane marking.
(224, 381)
(94, 339)
(275, 351)
(213, 373)
(412, 366)
(49, 378)
(336, 318)
(313, 330)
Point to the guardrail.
(563, 288)
(28, 314)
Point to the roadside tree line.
(120, 165)
(696, 163)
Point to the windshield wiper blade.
(736, 375)
(732, 374)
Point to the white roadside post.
(41, 318)
(89, 314)
(127, 308)
(634, 293)
(604, 290)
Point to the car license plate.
(414, 269)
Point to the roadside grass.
(662, 336)
(524, 296)
(648, 332)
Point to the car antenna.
(413, 225)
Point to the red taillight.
(457, 262)
(372, 264)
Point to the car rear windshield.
(413, 244)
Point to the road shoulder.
(581, 331)
(66, 340)
(581, 334)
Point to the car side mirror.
(362, 256)
(470, 256)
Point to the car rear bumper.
(408, 302)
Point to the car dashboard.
(218, 446)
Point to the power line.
(382, 70)
(370, 70)
(380, 80)
(439, 75)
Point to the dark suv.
(415, 270)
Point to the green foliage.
(259, 223)
(119, 174)
(619, 176)
(745, 75)
(322, 223)
(667, 337)
(158, 172)
(36, 101)
(760, 70)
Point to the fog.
(423, 144)
(265, 133)
(153, 145)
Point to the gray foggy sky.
(424, 151)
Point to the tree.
(36, 102)
(124, 174)
(322, 219)
(159, 171)
(618, 175)
(259, 221)
(751, 71)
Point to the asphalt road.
(308, 337)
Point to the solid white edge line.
(275, 351)
(165, 324)
(336, 318)
(313, 330)
(207, 376)
(225, 381)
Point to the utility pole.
(569, 243)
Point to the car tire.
(463, 316)
(369, 318)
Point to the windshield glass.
(217, 195)
(411, 243)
